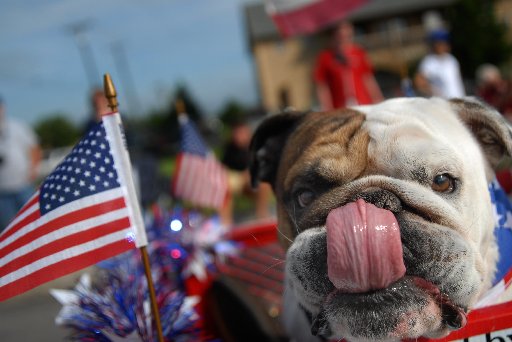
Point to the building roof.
(261, 27)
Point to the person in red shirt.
(343, 74)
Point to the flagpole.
(111, 95)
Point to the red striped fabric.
(308, 16)
(37, 249)
(200, 180)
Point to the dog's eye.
(305, 197)
(443, 183)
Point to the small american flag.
(200, 178)
(84, 211)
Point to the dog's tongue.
(364, 251)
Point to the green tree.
(232, 113)
(477, 36)
(56, 131)
(159, 130)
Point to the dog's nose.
(382, 199)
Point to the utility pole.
(123, 69)
(91, 70)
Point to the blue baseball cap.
(439, 36)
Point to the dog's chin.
(409, 308)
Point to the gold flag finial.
(110, 92)
(180, 106)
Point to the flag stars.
(111, 175)
(105, 184)
(48, 206)
(61, 199)
(92, 187)
(76, 193)
(102, 169)
(93, 142)
(81, 183)
(92, 164)
(87, 152)
(82, 161)
(107, 160)
(97, 155)
(103, 146)
(67, 189)
(53, 196)
(72, 180)
(58, 187)
(97, 178)
(78, 170)
(87, 173)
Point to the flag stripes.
(200, 180)
(73, 262)
(308, 16)
(80, 229)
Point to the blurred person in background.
(497, 92)
(99, 107)
(439, 71)
(494, 89)
(343, 74)
(236, 160)
(20, 156)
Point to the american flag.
(199, 178)
(84, 211)
(503, 234)
(296, 17)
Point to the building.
(392, 31)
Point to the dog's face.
(385, 212)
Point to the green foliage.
(477, 36)
(158, 131)
(233, 112)
(57, 131)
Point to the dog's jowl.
(385, 213)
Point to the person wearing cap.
(439, 71)
(19, 160)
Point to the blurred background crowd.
(230, 67)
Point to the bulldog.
(385, 213)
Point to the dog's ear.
(489, 127)
(267, 144)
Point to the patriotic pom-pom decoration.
(114, 305)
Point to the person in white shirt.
(439, 71)
(19, 158)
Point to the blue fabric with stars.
(87, 170)
(503, 231)
(191, 141)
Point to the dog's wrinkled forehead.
(333, 145)
(380, 139)
(407, 136)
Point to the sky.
(147, 46)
